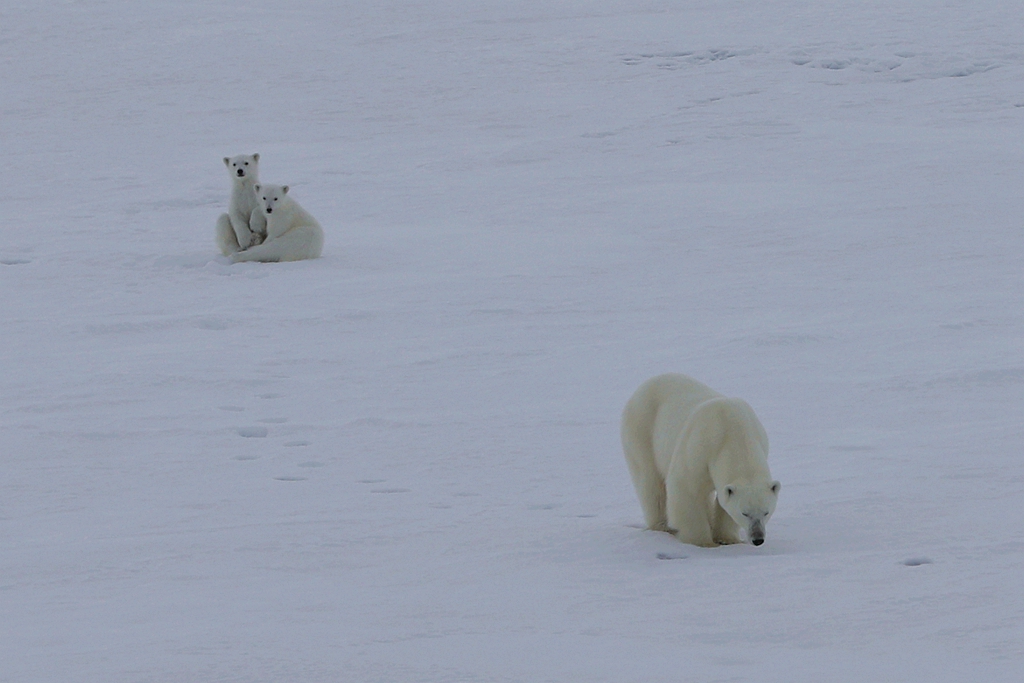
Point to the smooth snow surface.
(400, 462)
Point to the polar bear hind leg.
(650, 487)
(296, 245)
(648, 482)
(227, 240)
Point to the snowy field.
(401, 462)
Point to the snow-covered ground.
(401, 461)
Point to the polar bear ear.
(285, 189)
(730, 491)
(775, 487)
(256, 156)
(227, 162)
(255, 188)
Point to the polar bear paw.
(728, 540)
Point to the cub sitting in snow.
(292, 233)
(244, 224)
(699, 462)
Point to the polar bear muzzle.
(756, 532)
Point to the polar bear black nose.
(241, 173)
(270, 210)
(757, 541)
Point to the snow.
(401, 462)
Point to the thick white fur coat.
(244, 224)
(699, 462)
(292, 233)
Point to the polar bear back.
(658, 410)
(670, 399)
(664, 405)
(723, 438)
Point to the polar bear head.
(243, 166)
(270, 196)
(750, 506)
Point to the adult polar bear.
(292, 233)
(699, 462)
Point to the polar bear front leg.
(723, 529)
(687, 510)
(258, 227)
(240, 224)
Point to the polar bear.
(292, 234)
(244, 225)
(699, 462)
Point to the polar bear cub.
(244, 224)
(292, 233)
(699, 462)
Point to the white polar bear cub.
(244, 224)
(292, 233)
(699, 462)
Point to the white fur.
(243, 225)
(699, 462)
(292, 233)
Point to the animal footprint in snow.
(671, 556)
(210, 323)
(253, 432)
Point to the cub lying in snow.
(699, 462)
(292, 233)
